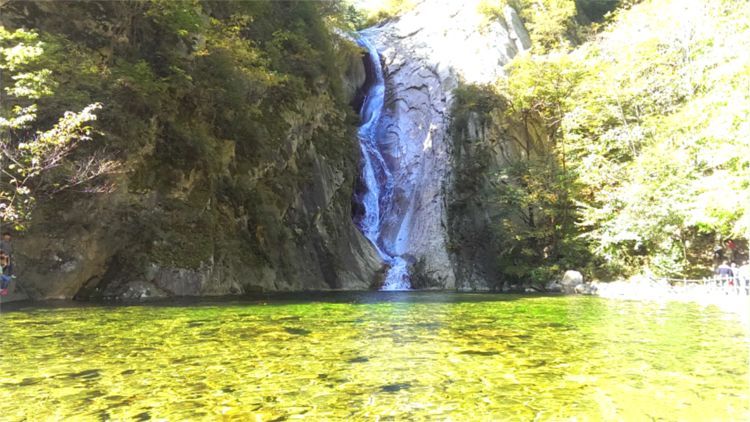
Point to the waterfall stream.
(377, 199)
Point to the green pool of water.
(373, 356)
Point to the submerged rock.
(392, 388)
(139, 290)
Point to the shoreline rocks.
(570, 281)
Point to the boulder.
(137, 290)
(15, 292)
(570, 280)
(585, 289)
(264, 206)
(553, 286)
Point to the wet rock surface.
(426, 54)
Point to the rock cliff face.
(263, 204)
(265, 207)
(426, 55)
(482, 147)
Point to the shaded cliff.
(233, 123)
(479, 216)
(427, 54)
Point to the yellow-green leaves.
(28, 153)
(551, 23)
(652, 119)
(660, 131)
(19, 48)
(20, 51)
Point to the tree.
(539, 93)
(35, 163)
(659, 135)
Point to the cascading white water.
(378, 181)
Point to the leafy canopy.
(34, 161)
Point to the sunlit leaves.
(680, 125)
(543, 84)
(28, 153)
(654, 116)
(19, 48)
(549, 21)
(19, 51)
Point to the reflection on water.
(400, 355)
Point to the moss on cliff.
(219, 112)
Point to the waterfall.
(377, 199)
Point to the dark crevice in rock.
(359, 95)
(360, 188)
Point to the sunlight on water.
(368, 355)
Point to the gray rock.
(140, 290)
(299, 236)
(570, 280)
(517, 31)
(585, 289)
(425, 53)
(553, 286)
(354, 73)
(289, 227)
(16, 292)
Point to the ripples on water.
(388, 355)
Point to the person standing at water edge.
(6, 245)
(731, 249)
(718, 254)
(5, 277)
(6, 263)
(744, 276)
(735, 273)
(724, 273)
(724, 270)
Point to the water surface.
(403, 355)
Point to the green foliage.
(35, 163)
(342, 15)
(198, 96)
(667, 107)
(597, 10)
(473, 101)
(551, 23)
(533, 232)
(538, 185)
(493, 9)
(180, 17)
(632, 149)
(556, 24)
